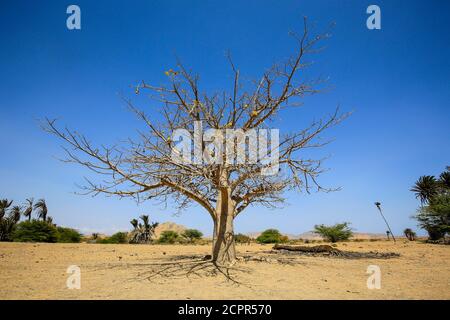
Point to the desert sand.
(38, 271)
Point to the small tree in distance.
(192, 234)
(145, 170)
(271, 236)
(335, 233)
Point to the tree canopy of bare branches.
(144, 169)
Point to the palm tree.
(134, 223)
(29, 209)
(143, 232)
(425, 188)
(8, 223)
(50, 220)
(409, 234)
(41, 206)
(15, 214)
(4, 204)
(444, 179)
(145, 220)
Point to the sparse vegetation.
(169, 237)
(335, 233)
(191, 235)
(271, 236)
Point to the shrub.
(242, 238)
(68, 235)
(271, 236)
(192, 234)
(35, 231)
(168, 236)
(337, 232)
(116, 238)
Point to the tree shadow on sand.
(199, 266)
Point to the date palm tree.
(409, 234)
(4, 204)
(444, 179)
(134, 223)
(50, 220)
(41, 206)
(7, 223)
(425, 188)
(144, 231)
(15, 214)
(29, 209)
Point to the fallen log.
(329, 251)
(315, 249)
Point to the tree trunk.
(224, 252)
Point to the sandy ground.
(38, 271)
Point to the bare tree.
(145, 169)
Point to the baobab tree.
(144, 168)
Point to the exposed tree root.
(189, 266)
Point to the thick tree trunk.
(224, 252)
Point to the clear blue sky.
(396, 80)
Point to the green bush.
(68, 235)
(271, 236)
(192, 234)
(116, 238)
(35, 231)
(242, 238)
(337, 232)
(168, 236)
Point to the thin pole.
(379, 209)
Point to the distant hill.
(166, 226)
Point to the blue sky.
(395, 80)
